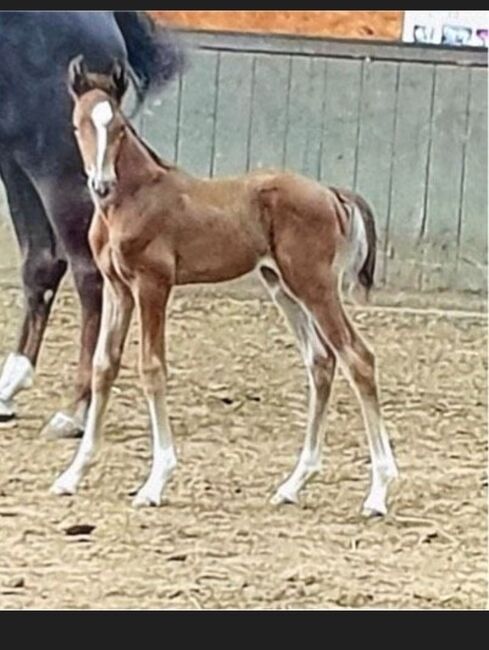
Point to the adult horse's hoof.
(62, 425)
(7, 410)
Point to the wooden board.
(195, 137)
(271, 78)
(374, 145)
(340, 122)
(305, 116)
(408, 182)
(233, 114)
(160, 120)
(472, 258)
(444, 179)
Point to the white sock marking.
(164, 458)
(17, 373)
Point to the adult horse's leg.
(70, 210)
(43, 266)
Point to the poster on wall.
(448, 28)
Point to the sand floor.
(238, 409)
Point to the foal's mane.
(153, 155)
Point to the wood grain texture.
(361, 24)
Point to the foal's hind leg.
(359, 364)
(42, 269)
(116, 315)
(320, 364)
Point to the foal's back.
(219, 229)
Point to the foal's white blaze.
(102, 115)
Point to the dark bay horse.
(156, 226)
(42, 172)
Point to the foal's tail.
(367, 271)
(153, 51)
(360, 266)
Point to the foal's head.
(99, 125)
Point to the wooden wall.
(404, 125)
(380, 25)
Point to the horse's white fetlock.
(17, 374)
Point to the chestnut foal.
(156, 226)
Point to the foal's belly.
(217, 253)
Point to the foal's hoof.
(370, 513)
(146, 499)
(7, 411)
(373, 509)
(281, 497)
(62, 425)
(63, 486)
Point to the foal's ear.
(78, 82)
(119, 80)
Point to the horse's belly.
(215, 260)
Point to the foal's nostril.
(101, 188)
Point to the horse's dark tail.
(360, 269)
(367, 271)
(154, 52)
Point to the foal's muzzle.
(101, 188)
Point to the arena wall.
(405, 125)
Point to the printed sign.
(449, 28)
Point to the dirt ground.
(238, 409)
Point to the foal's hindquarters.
(310, 238)
(303, 276)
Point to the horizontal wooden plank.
(291, 44)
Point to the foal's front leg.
(151, 303)
(116, 315)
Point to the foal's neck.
(136, 164)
